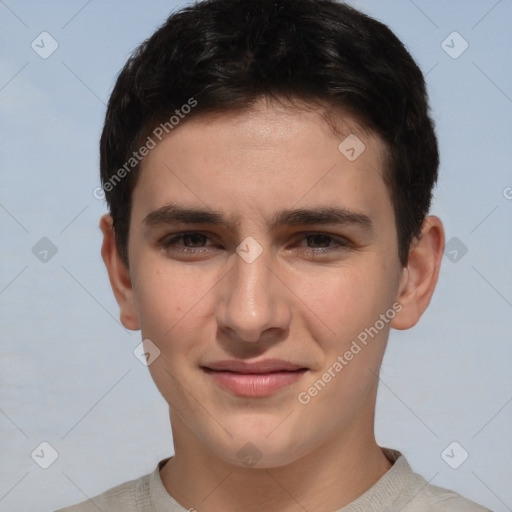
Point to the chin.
(261, 448)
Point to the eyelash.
(170, 243)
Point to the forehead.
(263, 160)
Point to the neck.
(326, 479)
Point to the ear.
(420, 276)
(119, 275)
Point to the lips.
(255, 379)
(265, 366)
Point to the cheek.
(168, 302)
(346, 299)
(163, 297)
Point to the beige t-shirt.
(399, 489)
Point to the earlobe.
(419, 277)
(119, 275)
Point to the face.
(264, 269)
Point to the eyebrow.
(174, 213)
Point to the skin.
(289, 304)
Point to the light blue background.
(68, 374)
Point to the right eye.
(188, 242)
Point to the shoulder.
(122, 497)
(140, 495)
(438, 499)
(420, 496)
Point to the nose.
(253, 303)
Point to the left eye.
(320, 239)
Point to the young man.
(269, 168)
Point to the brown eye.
(194, 239)
(318, 245)
(190, 242)
(319, 239)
